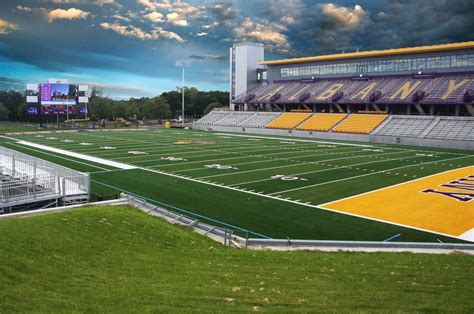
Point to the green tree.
(211, 106)
(22, 112)
(12, 100)
(101, 108)
(119, 109)
(132, 108)
(156, 108)
(4, 112)
(162, 108)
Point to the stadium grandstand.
(417, 95)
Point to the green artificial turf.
(325, 171)
(117, 259)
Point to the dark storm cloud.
(224, 12)
(11, 83)
(328, 27)
(325, 27)
(413, 23)
(9, 80)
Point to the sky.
(129, 47)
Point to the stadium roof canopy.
(375, 53)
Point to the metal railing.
(224, 235)
(25, 179)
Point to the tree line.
(13, 106)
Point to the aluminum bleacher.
(400, 126)
(409, 126)
(235, 118)
(453, 129)
(260, 119)
(213, 117)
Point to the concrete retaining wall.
(426, 142)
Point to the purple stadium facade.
(428, 80)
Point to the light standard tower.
(183, 64)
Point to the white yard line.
(377, 145)
(242, 155)
(328, 169)
(309, 162)
(265, 159)
(223, 149)
(295, 140)
(363, 175)
(78, 155)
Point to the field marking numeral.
(173, 158)
(136, 152)
(220, 167)
(287, 178)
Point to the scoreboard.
(56, 97)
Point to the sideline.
(78, 155)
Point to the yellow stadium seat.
(360, 123)
(322, 122)
(288, 120)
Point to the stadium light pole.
(183, 64)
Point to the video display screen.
(57, 109)
(58, 94)
(32, 111)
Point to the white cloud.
(167, 34)
(147, 3)
(178, 13)
(133, 31)
(69, 14)
(346, 17)
(7, 27)
(176, 19)
(270, 34)
(187, 10)
(213, 25)
(155, 17)
(153, 5)
(122, 18)
(95, 2)
(202, 34)
(24, 9)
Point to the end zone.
(442, 203)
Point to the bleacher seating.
(235, 118)
(405, 126)
(360, 123)
(260, 120)
(431, 127)
(322, 122)
(453, 129)
(213, 117)
(288, 120)
(433, 88)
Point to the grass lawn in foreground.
(117, 259)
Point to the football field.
(278, 186)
